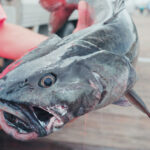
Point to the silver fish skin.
(65, 78)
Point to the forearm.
(15, 41)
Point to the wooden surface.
(111, 128)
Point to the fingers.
(86, 17)
(60, 16)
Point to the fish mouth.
(25, 122)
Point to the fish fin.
(137, 101)
(119, 5)
(123, 101)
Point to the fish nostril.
(23, 84)
(42, 115)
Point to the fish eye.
(47, 81)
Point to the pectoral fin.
(123, 101)
(137, 101)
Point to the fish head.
(39, 97)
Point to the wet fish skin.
(93, 68)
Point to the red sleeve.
(2, 15)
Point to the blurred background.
(111, 128)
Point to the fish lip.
(55, 122)
(13, 132)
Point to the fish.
(65, 78)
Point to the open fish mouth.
(25, 122)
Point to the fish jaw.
(13, 132)
(25, 123)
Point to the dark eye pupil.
(48, 82)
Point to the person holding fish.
(22, 40)
(64, 78)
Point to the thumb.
(86, 17)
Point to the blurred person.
(15, 40)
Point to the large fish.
(65, 78)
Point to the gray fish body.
(92, 68)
